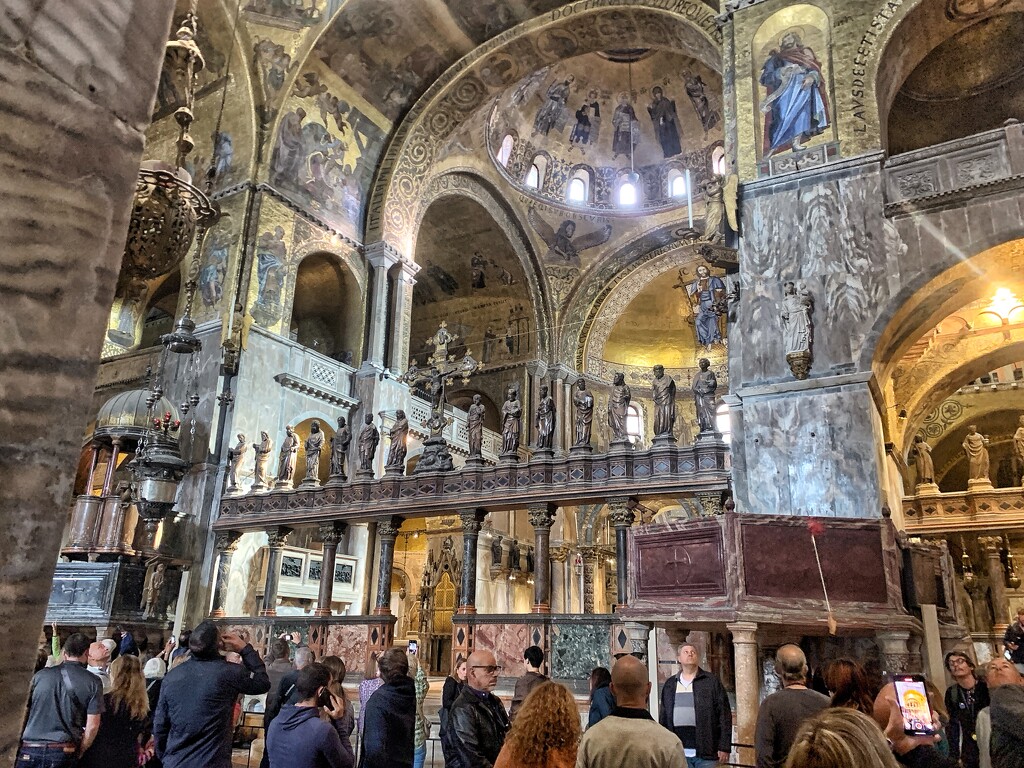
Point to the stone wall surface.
(77, 83)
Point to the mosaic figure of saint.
(796, 105)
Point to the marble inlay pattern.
(577, 648)
(349, 642)
(507, 642)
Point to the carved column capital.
(382, 255)
(226, 541)
(471, 521)
(331, 533)
(388, 528)
(590, 554)
(743, 632)
(559, 554)
(541, 515)
(620, 514)
(992, 545)
(277, 536)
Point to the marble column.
(621, 517)
(276, 538)
(471, 520)
(108, 478)
(991, 548)
(226, 542)
(330, 535)
(748, 684)
(542, 517)
(94, 459)
(381, 257)
(559, 586)
(387, 532)
(894, 651)
(401, 328)
(591, 556)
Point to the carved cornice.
(314, 390)
(954, 198)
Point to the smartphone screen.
(912, 697)
(413, 647)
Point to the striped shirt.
(684, 716)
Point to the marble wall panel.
(577, 648)
(507, 642)
(349, 642)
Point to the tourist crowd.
(115, 705)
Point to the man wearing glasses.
(965, 698)
(478, 722)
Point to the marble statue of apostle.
(289, 454)
(367, 442)
(398, 434)
(618, 409)
(664, 402)
(511, 422)
(797, 327)
(545, 420)
(496, 551)
(1018, 445)
(921, 453)
(514, 555)
(339, 447)
(976, 447)
(235, 457)
(583, 402)
(154, 585)
(314, 445)
(705, 383)
(475, 426)
(263, 450)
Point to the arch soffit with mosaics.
(465, 182)
(465, 87)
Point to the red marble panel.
(507, 642)
(681, 563)
(347, 641)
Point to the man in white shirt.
(629, 736)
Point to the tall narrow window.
(577, 191)
(533, 177)
(678, 186)
(718, 161)
(506, 150)
(627, 194)
(634, 424)
(723, 422)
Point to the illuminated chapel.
(482, 324)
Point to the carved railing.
(995, 509)
(678, 471)
(990, 159)
(314, 374)
(456, 433)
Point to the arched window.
(634, 425)
(627, 194)
(723, 422)
(579, 187)
(506, 150)
(533, 177)
(718, 161)
(677, 184)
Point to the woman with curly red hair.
(546, 732)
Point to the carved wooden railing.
(995, 509)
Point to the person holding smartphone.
(298, 738)
(915, 750)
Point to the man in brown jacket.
(534, 657)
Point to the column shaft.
(621, 517)
(330, 535)
(542, 518)
(748, 683)
(276, 538)
(108, 478)
(387, 532)
(93, 461)
(991, 547)
(402, 316)
(471, 520)
(226, 543)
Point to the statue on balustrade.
(921, 453)
(339, 448)
(618, 409)
(475, 427)
(583, 402)
(496, 552)
(263, 450)
(288, 456)
(1018, 448)
(975, 445)
(368, 439)
(314, 445)
(236, 456)
(513, 556)
(705, 384)
(511, 423)
(399, 435)
(545, 421)
(664, 388)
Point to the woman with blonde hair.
(340, 712)
(546, 733)
(126, 718)
(840, 737)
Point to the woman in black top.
(453, 685)
(126, 718)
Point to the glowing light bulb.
(1004, 301)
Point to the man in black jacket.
(192, 722)
(695, 707)
(389, 722)
(477, 724)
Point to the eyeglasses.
(490, 669)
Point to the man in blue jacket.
(298, 738)
(192, 722)
(389, 722)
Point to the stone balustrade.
(309, 372)
(456, 433)
(982, 510)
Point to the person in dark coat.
(298, 738)
(192, 725)
(125, 719)
(453, 685)
(389, 723)
(534, 658)
(695, 707)
(478, 720)
(602, 702)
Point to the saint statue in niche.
(664, 389)
(475, 426)
(339, 448)
(398, 434)
(235, 457)
(263, 450)
(975, 445)
(583, 401)
(666, 122)
(795, 107)
(921, 453)
(289, 452)
(707, 301)
(552, 114)
(705, 384)
(797, 331)
(314, 445)
(511, 418)
(368, 439)
(618, 409)
(545, 420)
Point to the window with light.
(506, 150)
(678, 186)
(627, 194)
(723, 422)
(577, 191)
(634, 425)
(533, 177)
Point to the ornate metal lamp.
(970, 581)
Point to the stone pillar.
(94, 459)
(226, 542)
(471, 520)
(536, 370)
(330, 535)
(748, 684)
(276, 538)
(108, 478)
(401, 326)
(894, 651)
(542, 517)
(991, 548)
(621, 518)
(381, 257)
(559, 586)
(591, 555)
(387, 532)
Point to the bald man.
(782, 713)
(478, 722)
(1001, 724)
(629, 736)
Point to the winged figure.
(563, 246)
